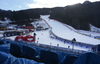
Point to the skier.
(34, 36)
(68, 46)
(73, 40)
(65, 41)
(38, 38)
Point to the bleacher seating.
(13, 52)
(5, 48)
(9, 59)
(88, 58)
(16, 49)
(11, 49)
(48, 57)
(29, 53)
(69, 59)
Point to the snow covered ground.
(93, 34)
(94, 31)
(43, 37)
(60, 30)
(40, 23)
(64, 32)
(6, 21)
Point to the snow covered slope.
(43, 37)
(6, 21)
(94, 29)
(64, 32)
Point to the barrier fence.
(54, 48)
(96, 37)
(65, 41)
(81, 44)
(50, 47)
(41, 54)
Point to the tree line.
(79, 15)
(22, 17)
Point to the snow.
(10, 27)
(94, 29)
(93, 34)
(64, 32)
(1, 35)
(1, 32)
(43, 37)
(7, 21)
(39, 23)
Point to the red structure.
(29, 26)
(28, 38)
(18, 38)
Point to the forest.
(79, 15)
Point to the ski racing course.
(63, 31)
(51, 46)
(59, 33)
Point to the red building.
(30, 38)
(27, 38)
(29, 26)
(19, 38)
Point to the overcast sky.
(27, 4)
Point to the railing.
(93, 47)
(54, 48)
(57, 48)
(81, 44)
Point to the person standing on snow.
(35, 36)
(73, 40)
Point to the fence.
(81, 44)
(39, 52)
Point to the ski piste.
(60, 35)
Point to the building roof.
(3, 25)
